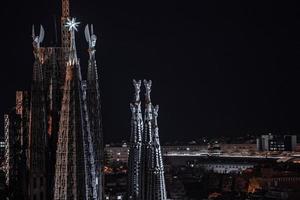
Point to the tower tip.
(137, 89)
(148, 85)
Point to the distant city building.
(177, 148)
(120, 153)
(290, 142)
(176, 190)
(225, 167)
(215, 149)
(276, 142)
(116, 153)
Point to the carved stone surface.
(75, 171)
(148, 85)
(146, 171)
(94, 107)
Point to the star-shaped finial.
(72, 24)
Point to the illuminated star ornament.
(72, 24)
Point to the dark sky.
(218, 68)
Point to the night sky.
(218, 68)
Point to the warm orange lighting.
(254, 184)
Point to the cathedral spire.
(137, 89)
(38, 131)
(75, 171)
(94, 107)
(135, 149)
(148, 115)
(148, 85)
(156, 189)
(65, 34)
(152, 172)
(91, 39)
(72, 25)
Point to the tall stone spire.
(38, 130)
(146, 171)
(75, 174)
(156, 188)
(72, 24)
(135, 149)
(147, 139)
(94, 108)
(16, 145)
(65, 34)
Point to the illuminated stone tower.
(65, 15)
(94, 108)
(156, 188)
(146, 170)
(38, 132)
(22, 110)
(64, 120)
(153, 170)
(16, 141)
(135, 149)
(75, 173)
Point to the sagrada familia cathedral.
(146, 170)
(54, 137)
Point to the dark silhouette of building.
(38, 141)
(16, 138)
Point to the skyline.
(214, 72)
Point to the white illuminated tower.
(94, 108)
(156, 187)
(146, 170)
(75, 173)
(135, 149)
(153, 170)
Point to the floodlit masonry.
(146, 169)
